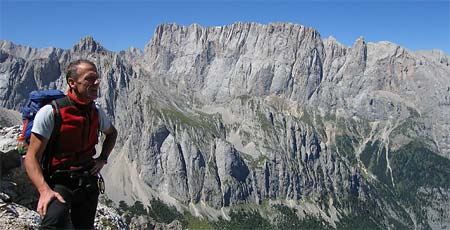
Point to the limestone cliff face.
(222, 63)
(210, 118)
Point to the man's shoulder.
(63, 102)
(44, 114)
(45, 111)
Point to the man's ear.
(71, 82)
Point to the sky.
(119, 24)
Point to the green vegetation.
(380, 168)
(244, 98)
(246, 137)
(212, 167)
(416, 166)
(123, 206)
(198, 121)
(157, 210)
(413, 128)
(163, 213)
(387, 193)
(108, 202)
(264, 122)
(286, 218)
(259, 162)
(350, 134)
(196, 223)
(368, 153)
(137, 209)
(316, 122)
(405, 128)
(107, 224)
(397, 224)
(306, 118)
(289, 220)
(360, 127)
(244, 220)
(344, 145)
(358, 221)
(365, 214)
(413, 112)
(374, 158)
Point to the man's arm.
(109, 143)
(107, 147)
(34, 171)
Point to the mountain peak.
(88, 44)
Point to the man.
(71, 186)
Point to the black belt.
(78, 178)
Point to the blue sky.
(119, 24)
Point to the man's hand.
(108, 145)
(99, 163)
(34, 171)
(45, 198)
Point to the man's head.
(83, 80)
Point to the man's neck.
(72, 95)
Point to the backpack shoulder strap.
(58, 118)
(52, 144)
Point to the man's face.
(86, 85)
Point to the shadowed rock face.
(250, 113)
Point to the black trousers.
(79, 210)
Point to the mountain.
(266, 121)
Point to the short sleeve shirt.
(45, 120)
